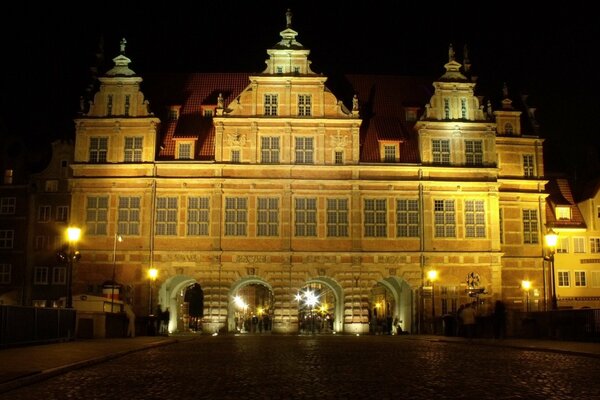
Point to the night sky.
(546, 53)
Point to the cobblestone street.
(326, 367)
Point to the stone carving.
(251, 259)
(236, 139)
(339, 141)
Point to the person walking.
(468, 317)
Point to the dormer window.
(389, 153)
(208, 113)
(563, 213)
(411, 114)
(184, 151)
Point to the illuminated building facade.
(263, 191)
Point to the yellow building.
(273, 199)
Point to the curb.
(38, 376)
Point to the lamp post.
(432, 276)
(118, 238)
(526, 285)
(152, 275)
(551, 238)
(73, 235)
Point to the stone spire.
(453, 73)
(288, 35)
(506, 101)
(121, 67)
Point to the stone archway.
(335, 292)
(400, 304)
(168, 297)
(250, 306)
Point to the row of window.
(579, 279)
(41, 275)
(375, 217)
(271, 102)
(98, 149)
(8, 207)
(562, 246)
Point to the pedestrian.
(499, 320)
(468, 316)
(131, 318)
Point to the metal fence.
(20, 325)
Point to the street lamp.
(551, 238)
(152, 275)
(73, 235)
(526, 286)
(432, 276)
(118, 238)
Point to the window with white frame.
(7, 238)
(184, 151)
(474, 219)
(129, 215)
(339, 157)
(236, 216)
(563, 278)
(375, 222)
(389, 153)
(8, 205)
(40, 275)
(563, 213)
(337, 217)
(562, 245)
(304, 150)
(59, 275)
(578, 245)
(236, 157)
(269, 149)
(528, 167)
(271, 104)
(595, 245)
(133, 149)
(62, 213)
(51, 186)
(474, 152)
(407, 218)
(440, 151)
(580, 279)
(305, 222)
(304, 105)
(166, 216)
(98, 149)
(44, 213)
(595, 279)
(268, 217)
(530, 227)
(444, 216)
(5, 273)
(96, 215)
(198, 213)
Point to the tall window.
(98, 149)
(268, 217)
(185, 151)
(440, 151)
(129, 215)
(463, 108)
(339, 157)
(337, 217)
(501, 223)
(530, 227)
(304, 105)
(96, 215)
(473, 152)
(109, 105)
(236, 216)
(389, 153)
(269, 149)
(306, 217)
(59, 275)
(133, 149)
(304, 150)
(562, 245)
(8, 205)
(595, 279)
(7, 238)
(444, 218)
(446, 108)
(127, 104)
(198, 216)
(40, 275)
(166, 216)
(407, 218)
(578, 245)
(528, 165)
(563, 278)
(5, 274)
(62, 213)
(375, 218)
(580, 279)
(595, 245)
(236, 157)
(44, 213)
(270, 104)
(42, 242)
(474, 218)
